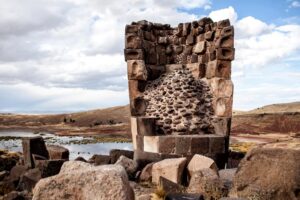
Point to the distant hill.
(276, 118)
(273, 108)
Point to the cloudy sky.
(67, 55)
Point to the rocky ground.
(266, 172)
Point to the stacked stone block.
(180, 85)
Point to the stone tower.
(180, 87)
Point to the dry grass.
(242, 146)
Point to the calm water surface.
(11, 140)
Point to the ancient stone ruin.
(180, 87)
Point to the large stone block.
(33, 145)
(220, 87)
(160, 144)
(225, 53)
(58, 152)
(143, 158)
(155, 71)
(151, 144)
(227, 31)
(225, 42)
(172, 67)
(186, 29)
(216, 144)
(209, 36)
(115, 154)
(136, 88)
(197, 69)
(199, 145)
(218, 68)
(166, 145)
(137, 70)
(222, 125)
(144, 125)
(223, 23)
(133, 42)
(190, 39)
(222, 106)
(131, 29)
(133, 54)
(200, 47)
(138, 106)
(182, 145)
(171, 169)
(199, 162)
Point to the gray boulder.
(269, 172)
(83, 181)
(129, 165)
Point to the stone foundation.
(179, 86)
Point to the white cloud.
(265, 45)
(250, 26)
(32, 98)
(68, 54)
(295, 4)
(73, 49)
(226, 13)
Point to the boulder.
(269, 172)
(8, 160)
(16, 172)
(199, 162)
(58, 152)
(49, 167)
(129, 165)
(33, 145)
(144, 158)
(6, 187)
(116, 153)
(83, 181)
(3, 174)
(146, 174)
(171, 169)
(100, 159)
(226, 176)
(79, 158)
(207, 182)
(144, 197)
(169, 186)
(15, 195)
(29, 179)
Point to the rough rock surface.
(199, 162)
(207, 182)
(83, 181)
(171, 169)
(58, 152)
(181, 103)
(269, 173)
(8, 160)
(227, 175)
(129, 165)
(146, 174)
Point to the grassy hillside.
(276, 118)
(276, 108)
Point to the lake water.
(11, 140)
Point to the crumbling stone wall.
(180, 79)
